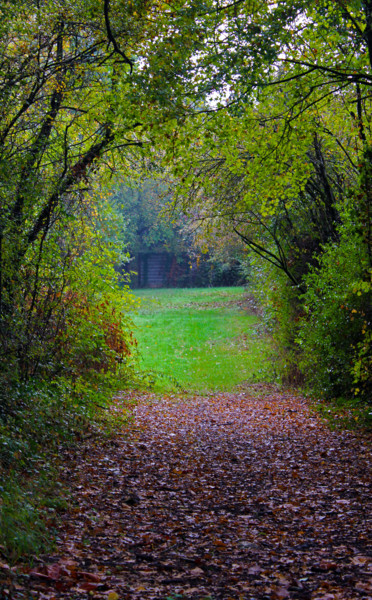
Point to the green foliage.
(286, 166)
(61, 312)
(151, 227)
(70, 349)
(345, 413)
(321, 336)
(70, 315)
(141, 206)
(280, 315)
(42, 417)
(266, 128)
(334, 335)
(21, 529)
(96, 349)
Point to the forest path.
(228, 496)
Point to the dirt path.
(218, 497)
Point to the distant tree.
(142, 205)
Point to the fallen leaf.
(91, 576)
(254, 570)
(361, 560)
(280, 593)
(197, 572)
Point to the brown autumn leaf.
(54, 571)
(280, 593)
(90, 576)
(197, 572)
(364, 586)
(86, 586)
(38, 573)
(361, 560)
(254, 570)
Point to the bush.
(31, 435)
(281, 312)
(21, 529)
(335, 334)
(96, 349)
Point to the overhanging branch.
(111, 36)
(76, 173)
(268, 256)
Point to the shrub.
(334, 337)
(281, 312)
(96, 349)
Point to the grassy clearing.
(203, 339)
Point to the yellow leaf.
(113, 596)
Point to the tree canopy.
(259, 110)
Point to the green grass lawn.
(204, 339)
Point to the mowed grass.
(202, 339)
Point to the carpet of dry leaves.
(232, 496)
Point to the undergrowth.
(345, 413)
(31, 437)
(33, 434)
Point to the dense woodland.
(256, 119)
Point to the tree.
(141, 204)
(284, 161)
(61, 69)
